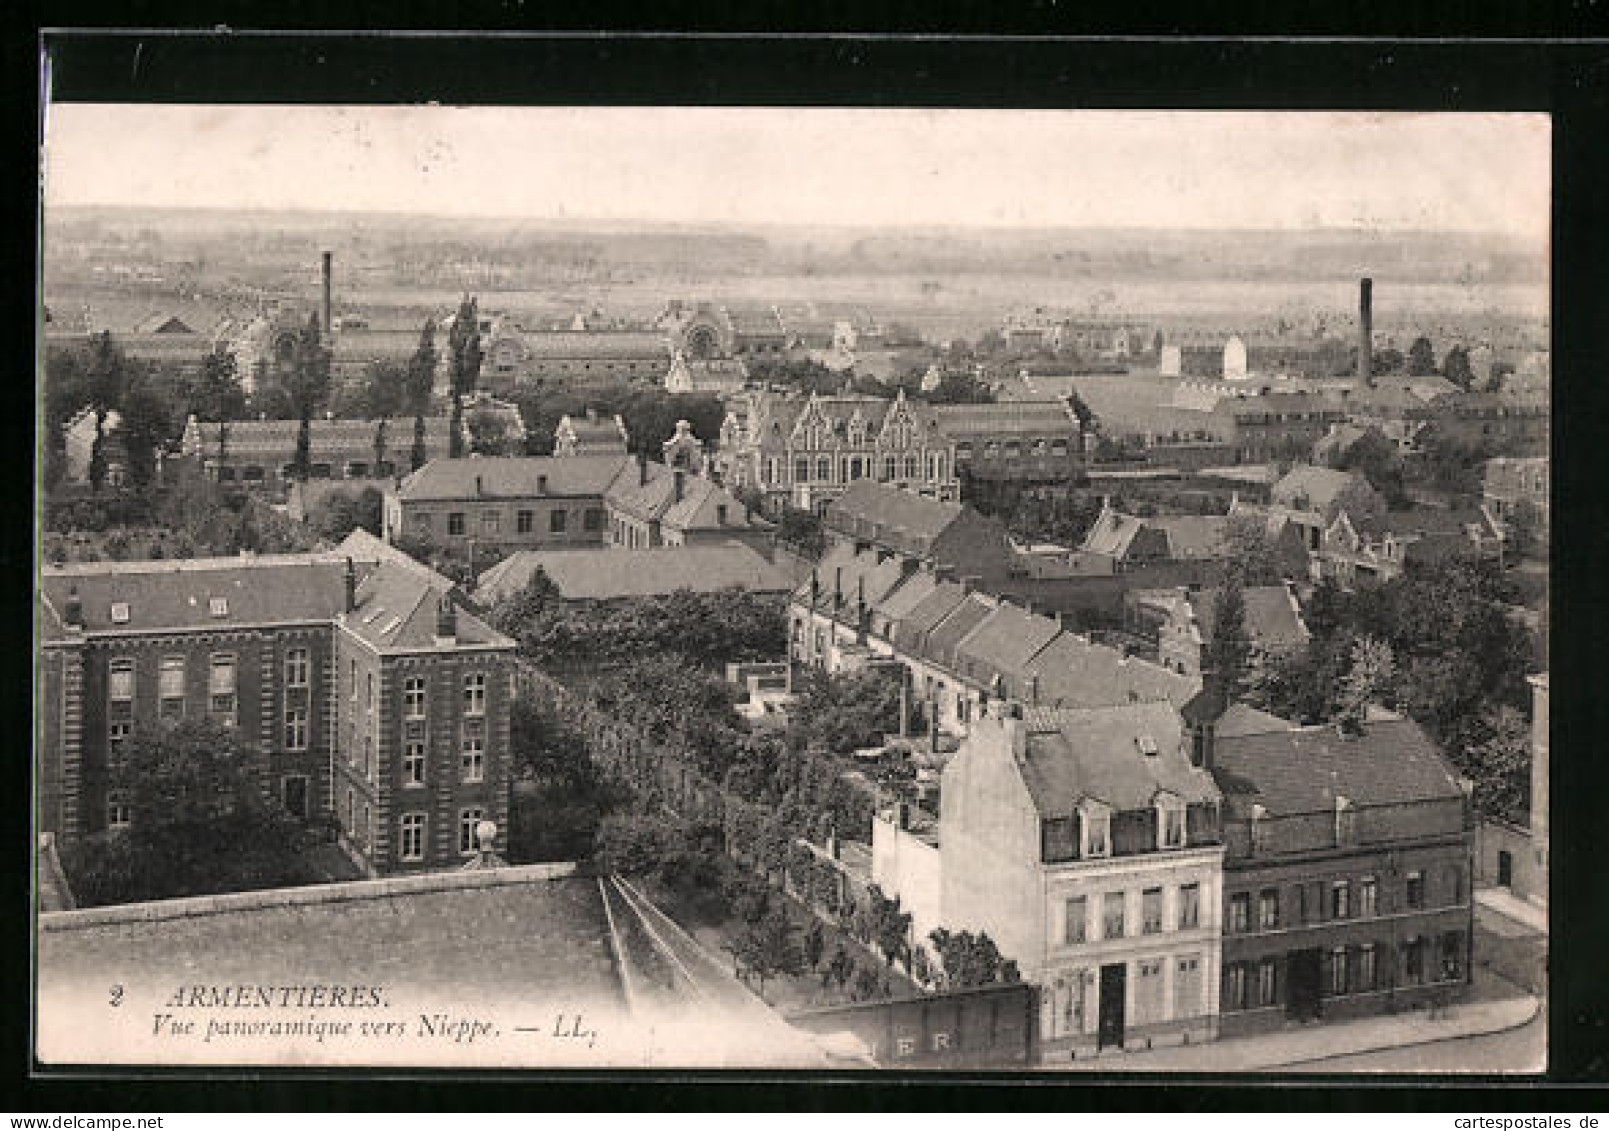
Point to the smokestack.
(1366, 331)
(329, 324)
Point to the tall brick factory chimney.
(1366, 331)
(328, 311)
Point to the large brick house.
(363, 691)
(1347, 869)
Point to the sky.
(987, 168)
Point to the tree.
(1524, 527)
(769, 947)
(198, 823)
(1251, 554)
(1368, 680)
(1455, 367)
(1421, 358)
(969, 960)
(143, 430)
(465, 350)
(305, 378)
(1494, 752)
(815, 943)
(1228, 652)
(339, 512)
(217, 394)
(108, 378)
(1381, 464)
(421, 376)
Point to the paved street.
(1515, 1051)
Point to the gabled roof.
(275, 440)
(515, 477)
(892, 516)
(927, 614)
(945, 638)
(1074, 672)
(1098, 754)
(905, 597)
(1005, 640)
(567, 344)
(178, 594)
(1321, 486)
(1272, 621)
(612, 574)
(1007, 418)
(697, 509)
(857, 574)
(1301, 770)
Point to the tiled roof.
(601, 575)
(1271, 617)
(1320, 485)
(1005, 640)
(397, 607)
(1098, 753)
(1192, 535)
(515, 477)
(891, 515)
(179, 594)
(928, 613)
(1075, 672)
(1301, 770)
(945, 638)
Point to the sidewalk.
(1505, 903)
(1317, 1042)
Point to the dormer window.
(120, 612)
(1095, 830)
(1169, 822)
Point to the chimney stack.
(351, 586)
(642, 469)
(1366, 331)
(446, 620)
(329, 323)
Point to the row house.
(363, 693)
(805, 452)
(936, 533)
(260, 453)
(961, 648)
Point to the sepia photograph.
(792, 587)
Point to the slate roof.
(397, 608)
(610, 574)
(516, 477)
(584, 344)
(1096, 753)
(697, 509)
(861, 573)
(1300, 770)
(1189, 536)
(275, 440)
(176, 594)
(1007, 418)
(902, 599)
(896, 517)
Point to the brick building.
(259, 453)
(1017, 441)
(535, 502)
(366, 693)
(1346, 873)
